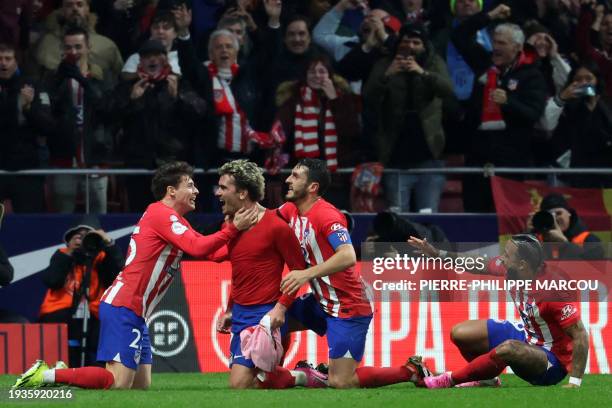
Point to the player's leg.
(346, 340)
(142, 378)
(242, 377)
(120, 346)
(304, 314)
(471, 338)
(486, 335)
(528, 361)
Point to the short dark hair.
(594, 69)
(169, 174)
(323, 60)
(164, 16)
(7, 47)
(76, 30)
(298, 17)
(529, 250)
(317, 173)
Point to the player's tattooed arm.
(431, 251)
(580, 352)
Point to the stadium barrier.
(487, 171)
(21, 344)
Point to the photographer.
(558, 225)
(77, 276)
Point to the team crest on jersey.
(567, 311)
(337, 227)
(137, 357)
(342, 236)
(218, 94)
(512, 84)
(177, 227)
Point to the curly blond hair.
(247, 176)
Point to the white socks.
(49, 376)
(300, 377)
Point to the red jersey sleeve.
(285, 211)
(565, 313)
(288, 246)
(181, 235)
(495, 267)
(332, 225)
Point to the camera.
(543, 221)
(586, 90)
(91, 244)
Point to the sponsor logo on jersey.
(177, 227)
(337, 227)
(567, 311)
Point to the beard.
(512, 274)
(296, 196)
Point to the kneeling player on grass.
(156, 247)
(338, 306)
(551, 342)
(258, 257)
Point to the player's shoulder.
(275, 219)
(326, 212)
(286, 211)
(160, 214)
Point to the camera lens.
(543, 221)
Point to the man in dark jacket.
(405, 92)
(77, 276)
(80, 138)
(25, 119)
(508, 98)
(158, 112)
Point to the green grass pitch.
(210, 390)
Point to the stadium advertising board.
(402, 325)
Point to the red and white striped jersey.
(154, 255)
(544, 321)
(320, 231)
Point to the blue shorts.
(124, 337)
(244, 317)
(345, 337)
(502, 330)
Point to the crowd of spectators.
(96, 84)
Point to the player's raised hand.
(224, 323)
(245, 217)
(422, 245)
(500, 12)
(294, 280)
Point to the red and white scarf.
(234, 128)
(307, 113)
(491, 118)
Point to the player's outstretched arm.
(431, 251)
(342, 259)
(188, 240)
(580, 352)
